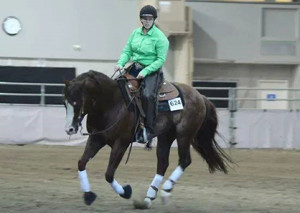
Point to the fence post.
(232, 106)
(42, 103)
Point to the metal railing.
(42, 93)
(233, 98)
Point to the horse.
(109, 122)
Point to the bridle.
(108, 128)
(82, 114)
(137, 118)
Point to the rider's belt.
(139, 66)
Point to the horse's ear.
(66, 82)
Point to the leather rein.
(82, 114)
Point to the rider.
(148, 47)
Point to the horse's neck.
(109, 107)
(110, 96)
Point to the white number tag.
(175, 104)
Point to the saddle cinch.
(131, 94)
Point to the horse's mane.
(98, 76)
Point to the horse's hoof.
(165, 197)
(127, 192)
(89, 198)
(145, 204)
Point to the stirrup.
(141, 136)
(145, 135)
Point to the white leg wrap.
(168, 185)
(84, 181)
(117, 187)
(151, 193)
(157, 180)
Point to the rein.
(110, 127)
(115, 123)
(107, 129)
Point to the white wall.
(296, 76)
(229, 38)
(256, 129)
(222, 31)
(246, 75)
(297, 84)
(237, 31)
(51, 28)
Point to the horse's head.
(81, 95)
(75, 106)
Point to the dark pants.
(150, 86)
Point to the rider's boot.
(145, 135)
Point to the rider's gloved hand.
(140, 76)
(118, 68)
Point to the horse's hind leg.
(184, 162)
(162, 152)
(91, 149)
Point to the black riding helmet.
(148, 10)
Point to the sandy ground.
(40, 178)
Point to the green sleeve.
(162, 47)
(126, 53)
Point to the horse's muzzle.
(71, 130)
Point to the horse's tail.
(205, 143)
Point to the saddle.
(130, 88)
(167, 91)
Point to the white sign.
(175, 104)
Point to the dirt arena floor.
(40, 178)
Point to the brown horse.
(99, 97)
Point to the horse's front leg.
(162, 153)
(116, 156)
(92, 147)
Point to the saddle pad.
(163, 105)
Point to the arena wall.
(51, 28)
(229, 33)
(231, 44)
(256, 129)
(91, 34)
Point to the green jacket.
(149, 50)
